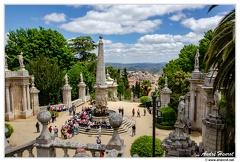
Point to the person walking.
(99, 131)
(138, 113)
(98, 140)
(76, 126)
(38, 127)
(50, 129)
(133, 112)
(133, 130)
(55, 130)
(122, 111)
(189, 128)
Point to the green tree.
(146, 87)
(221, 54)
(203, 46)
(49, 79)
(33, 42)
(142, 146)
(82, 47)
(74, 77)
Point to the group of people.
(198, 153)
(57, 108)
(138, 112)
(82, 119)
(121, 111)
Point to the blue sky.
(132, 33)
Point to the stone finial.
(44, 117)
(100, 37)
(115, 142)
(45, 136)
(115, 120)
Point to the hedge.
(10, 130)
(142, 146)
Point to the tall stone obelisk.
(101, 85)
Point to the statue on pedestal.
(20, 59)
(66, 79)
(181, 107)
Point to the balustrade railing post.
(44, 141)
(30, 151)
(65, 150)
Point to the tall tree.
(221, 54)
(82, 47)
(33, 42)
(74, 78)
(146, 87)
(49, 79)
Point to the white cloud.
(55, 17)
(177, 17)
(122, 19)
(203, 24)
(150, 48)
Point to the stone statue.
(181, 107)
(32, 78)
(166, 81)
(66, 79)
(217, 97)
(197, 59)
(20, 59)
(81, 77)
(6, 57)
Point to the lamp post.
(155, 104)
(154, 122)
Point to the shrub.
(168, 116)
(143, 147)
(144, 99)
(10, 130)
(56, 112)
(165, 127)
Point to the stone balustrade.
(46, 144)
(18, 151)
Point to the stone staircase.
(125, 128)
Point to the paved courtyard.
(25, 130)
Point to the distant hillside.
(153, 68)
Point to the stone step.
(125, 127)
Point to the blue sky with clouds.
(132, 33)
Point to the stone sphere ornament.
(44, 116)
(115, 120)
